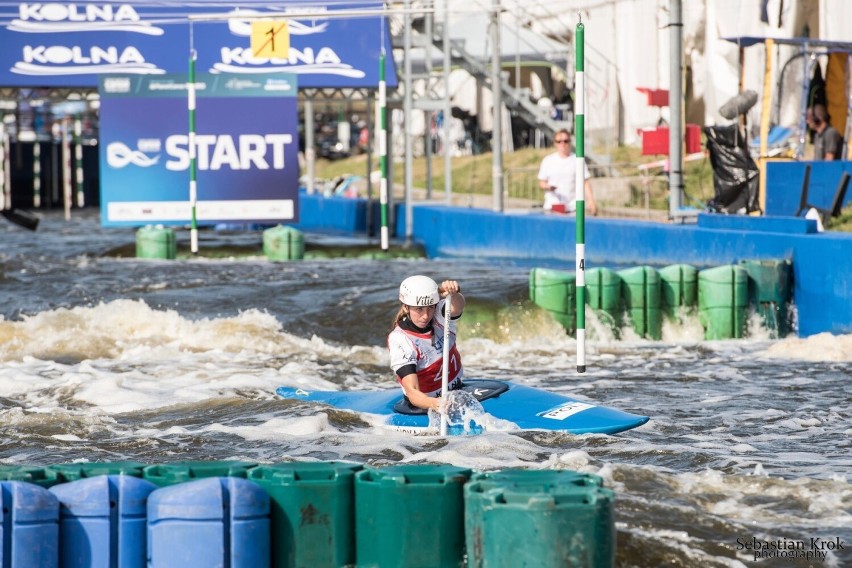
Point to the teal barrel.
(678, 288)
(541, 525)
(518, 476)
(156, 242)
(312, 512)
(34, 474)
(723, 301)
(641, 292)
(770, 285)
(179, 472)
(75, 471)
(410, 516)
(556, 292)
(603, 294)
(282, 243)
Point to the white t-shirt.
(561, 173)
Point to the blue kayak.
(528, 407)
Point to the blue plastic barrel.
(102, 521)
(29, 531)
(215, 521)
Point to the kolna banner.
(69, 44)
(246, 142)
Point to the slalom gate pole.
(383, 147)
(193, 188)
(36, 174)
(78, 161)
(67, 190)
(580, 203)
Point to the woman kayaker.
(416, 342)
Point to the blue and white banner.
(68, 44)
(246, 149)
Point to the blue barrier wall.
(822, 262)
(784, 185)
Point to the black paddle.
(22, 218)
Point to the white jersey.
(426, 352)
(560, 173)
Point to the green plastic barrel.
(678, 287)
(178, 472)
(556, 292)
(723, 302)
(603, 294)
(282, 243)
(770, 285)
(410, 515)
(156, 242)
(540, 526)
(30, 473)
(312, 512)
(75, 471)
(378, 255)
(640, 289)
(518, 476)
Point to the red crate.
(693, 138)
(656, 140)
(656, 97)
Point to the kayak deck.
(528, 407)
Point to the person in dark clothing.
(828, 144)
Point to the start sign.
(246, 148)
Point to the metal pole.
(5, 198)
(409, 141)
(427, 114)
(448, 110)
(310, 152)
(580, 183)
(676, 108)
(383, 152)
(497, 111)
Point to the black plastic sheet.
(735, 174)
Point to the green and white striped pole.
(383, 150)
(36, 174)
(78, 159)
(193, 189)
(580, 203)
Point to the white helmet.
(418, 291)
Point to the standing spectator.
(557, 177)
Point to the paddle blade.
(21, 218)
(463, 413)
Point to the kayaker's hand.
(449, 287)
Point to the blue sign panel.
(246, 142)
(68, 44)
